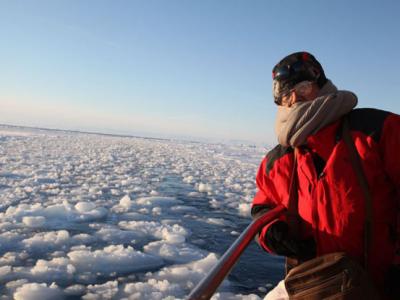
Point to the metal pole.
(207, 287)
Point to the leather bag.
(332, 276)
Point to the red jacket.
(330, 200)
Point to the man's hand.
(279, 241)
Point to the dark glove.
(278, 240)
(392, 280)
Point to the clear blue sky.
(184, 68)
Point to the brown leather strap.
(362, 180)
(293, 211)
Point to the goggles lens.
(284, 72)
(301, 89)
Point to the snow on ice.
(107, 217)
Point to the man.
(331, 203)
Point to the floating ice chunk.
(156, 211)
(153, 289)
(144, 211)
(9, 241)
(4, 271)
(230, 196)
(215, 203)
(219, 221)
(58, 269)
(57, 254)
(43, 241)
(244, 209)
(82, 211)
(102, 291)
(83, 207)
(82, 238)
(13, 285)
(75, 290)
(58, 211)
(194, 194)
(125, 201)
(188, 275)
(154, 193)
(22, 210)
(142, 228)
(158, 201)
(172, 238)
(249, 185)
(65, 212)
(181, 253)
(205, 188)
(183, 208)
(173, 234)
(188, 179)
(28, 189)
(34, 222)
(5, 225)
(138, 189)
(95, 214)
(236, 187)
(115, 192)
(116, 235)
(113, 259)
(36, 291)
(14, 258)
(8, 258)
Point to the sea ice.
(58, 269)
(101, 291)
(45, 241)
(153, 289)
(204, 187)
(113, 259)
(105, 217)
(125, 202)
(176, 253)
(34, 221)
(157, 201)
(84, 207)
(36, 291)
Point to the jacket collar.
(323, 141)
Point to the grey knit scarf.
(294, 124)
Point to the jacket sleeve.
(266, 198)
(390, 147)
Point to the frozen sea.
(90, 216)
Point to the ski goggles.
(301, 89)
(288, 71)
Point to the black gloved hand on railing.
(392, 279)
(279, 241)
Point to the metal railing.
(207, 287)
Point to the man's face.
(303, 91)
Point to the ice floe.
(36, 291)
(106, 217)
